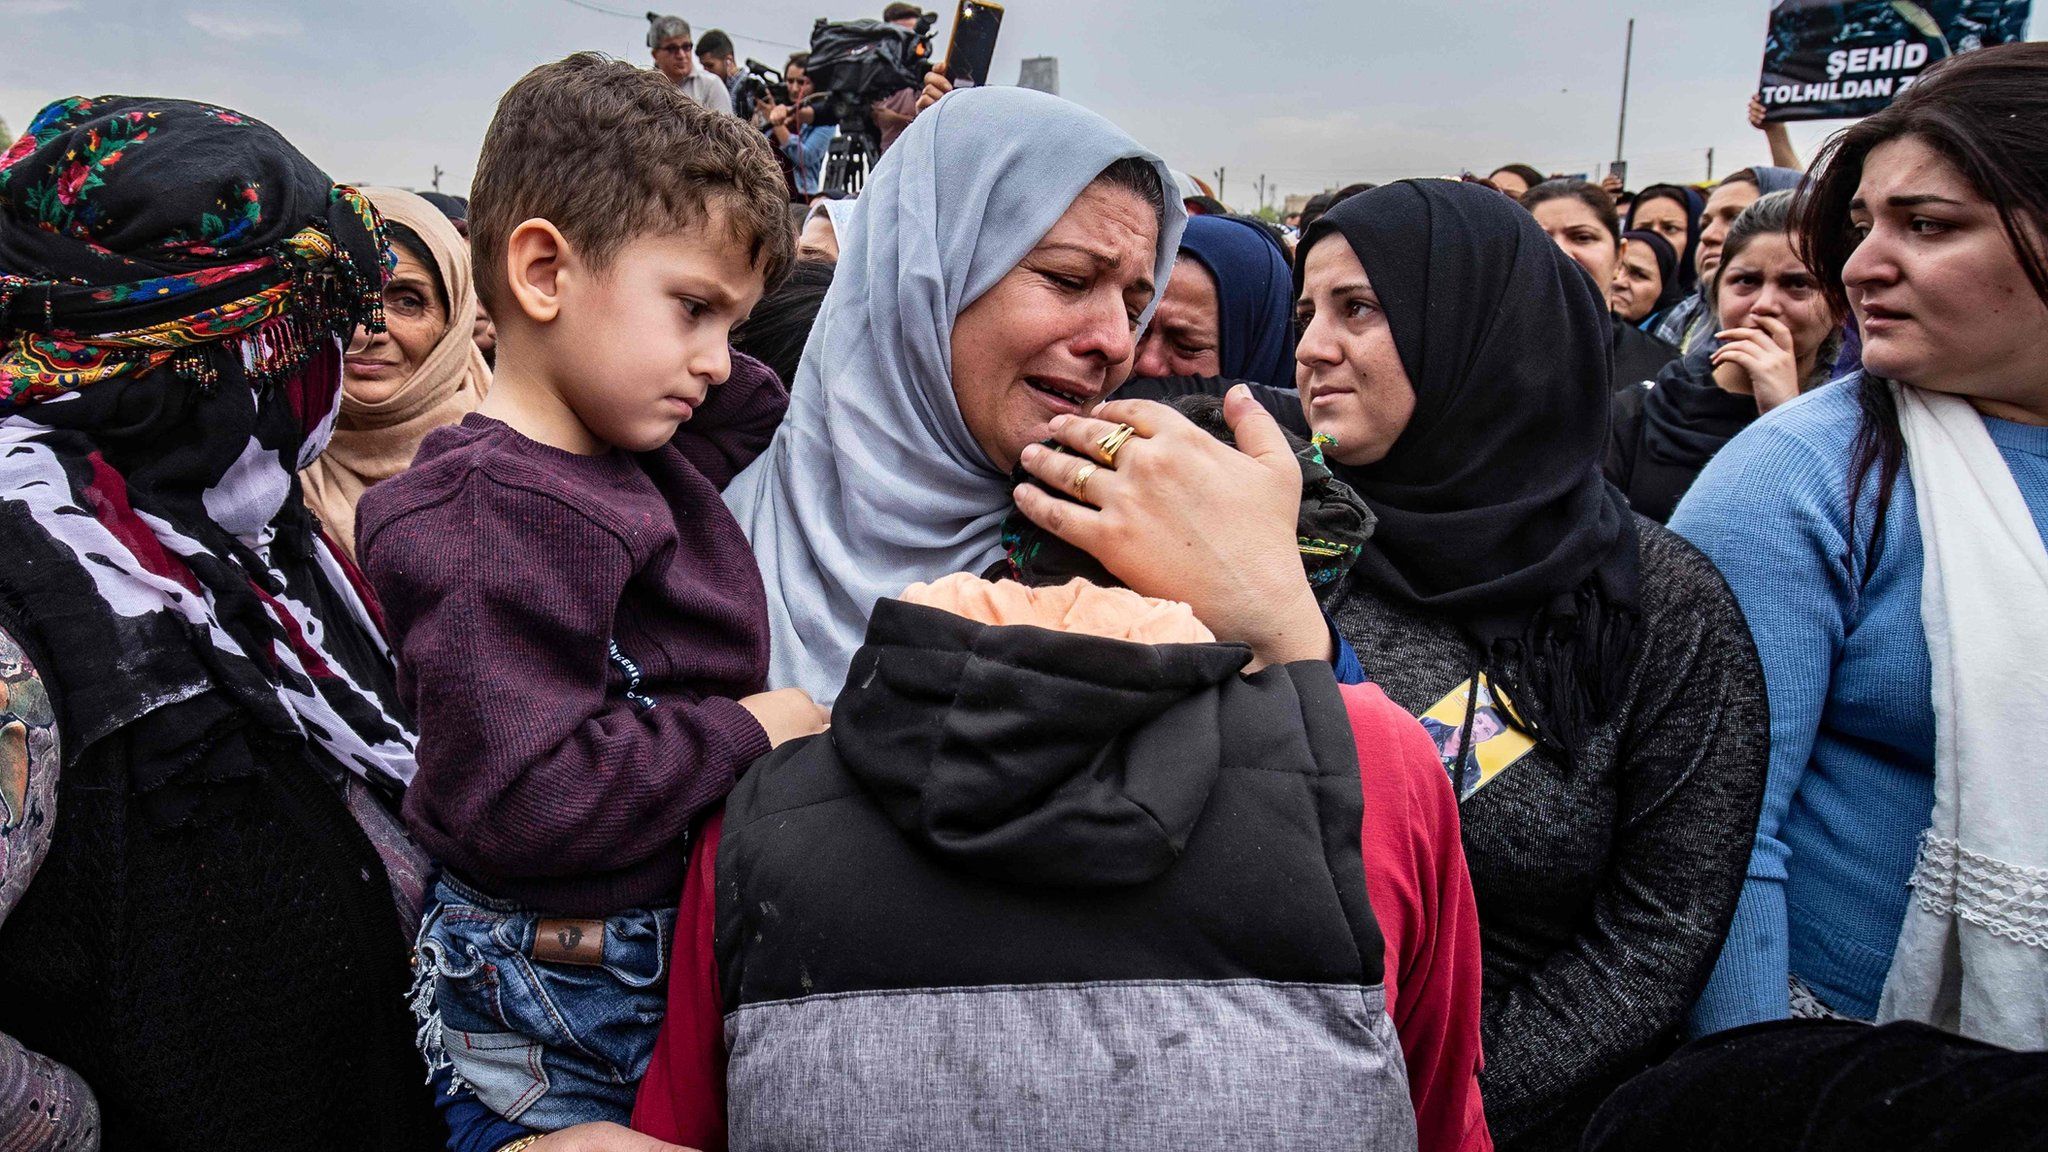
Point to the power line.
(590, 7)
(601, 8)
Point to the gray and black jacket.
(1040, 890)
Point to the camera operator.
(669, 37)
(894, 112)
(755, 84)
(715, 55)
(794, 129)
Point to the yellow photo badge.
(1496, 743)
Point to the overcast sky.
(381, 91)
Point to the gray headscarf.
(873, 482)
(1770, 179)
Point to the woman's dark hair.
(1592, 196)
(455, 208)
(1314, 209)
(1136, 174)
(1768, 215)
(1322, 202)
(403, 237)
(1771, 215)
(780, 325)
(1982, 111)
(1671, 192)
(1530, 176)
(1267, 228)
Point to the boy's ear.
(536, 258)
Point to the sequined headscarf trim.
(125, 249)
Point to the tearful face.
(1058, 332)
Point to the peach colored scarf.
(375, 442)
(1076, 606)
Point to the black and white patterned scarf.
(152, 533)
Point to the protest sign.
(1829, 59)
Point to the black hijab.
(1491, 507)
(1693, 204)
(1670, 291)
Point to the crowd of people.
(654, 655)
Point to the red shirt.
(1415, 878)
(1422, 897)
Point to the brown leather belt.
(564, 941)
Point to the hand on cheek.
(1183, 516)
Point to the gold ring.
(1115, 440)
(1081, 479)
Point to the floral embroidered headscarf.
(143, 232)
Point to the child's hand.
(787, 714)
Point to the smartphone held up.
(971, 51)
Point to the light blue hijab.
(873, 482)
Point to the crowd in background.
(657, 655)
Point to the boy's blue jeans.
(544, 1042)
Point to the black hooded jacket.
(1036, 889)
(1664, 433)
(1638, 356)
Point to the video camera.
(865, 60)
(760, 83)
(853, 64)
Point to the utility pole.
(438, 173)
(1628, 55)
(1262, 191)
(1710, 164)
(1219, 184)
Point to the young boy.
(581, 629)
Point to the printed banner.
(1828, 60)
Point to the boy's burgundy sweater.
(507, 568)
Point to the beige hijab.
(375, 442)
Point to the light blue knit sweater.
(1852, 721)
